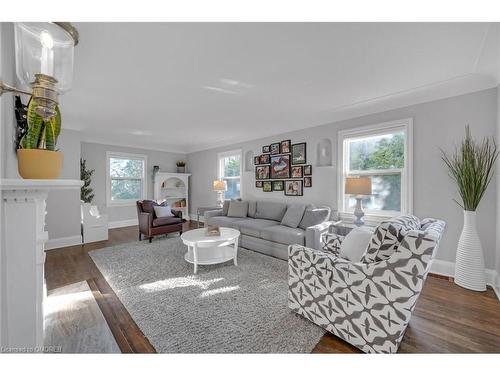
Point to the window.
(384, 153)
(125, 180)
(229, 170)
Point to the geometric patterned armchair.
(369, 303)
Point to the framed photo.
(256, 160)
(262, 172)
(294, 188)
(258, 184)
(308, 170)
(297, 171)
(285, 146)
(264, 159)
(308, 182)
(267, 186)
(299, 153)
(278, 185)
(265, 149)
(274, 148)
(280, 166)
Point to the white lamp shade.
(220, 185)
(44, 47)
(358, 185)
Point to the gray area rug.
(222, 309)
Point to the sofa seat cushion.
(226, 221)
(253, 227)
(283, 234)
(161, 221)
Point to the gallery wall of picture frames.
(282, 166)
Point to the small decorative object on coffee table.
(359, 187)
(212, 230)
(205, 250)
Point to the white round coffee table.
(203, 249)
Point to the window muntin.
(229, 170)
(126, 181)
(382, 152)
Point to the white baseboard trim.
(56, 243)
(122, 223)
(445, 268)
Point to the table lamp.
(220, 187)
(359, 187)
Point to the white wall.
(95, 154)
(63, 206)
(437, 124)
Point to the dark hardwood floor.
(447, 318)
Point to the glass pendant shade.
(44, 48)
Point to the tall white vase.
(469, 267)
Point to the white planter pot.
(469, 267)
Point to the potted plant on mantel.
(181, 166)
(37, 157)
(471, 166)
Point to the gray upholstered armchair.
(369, 303)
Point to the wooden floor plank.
(447, 318)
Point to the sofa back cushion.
(252, 208)
(293, 215)
(270, 210)
(387, 237)
(237, 209)
(314, 216)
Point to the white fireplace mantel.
(22, 258)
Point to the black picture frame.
(266, 149)
(290, 184)
(308, 182)
(274, 148)
(295, 168)
(278, 185)
(299, 153)
(308, 171)
(258, 184)
(256, 160)
(286, 146)
(265, 174)
(267, 186)
(282, 173)
(265, 159)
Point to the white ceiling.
(191, 86)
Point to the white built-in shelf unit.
(173, 188)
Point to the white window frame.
(220, 166)
(123, 155)
(404, 125)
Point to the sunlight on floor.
(225, 289)
(178, 282)
(56, 303)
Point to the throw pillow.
(225, 207)
(237, 209)
(293, 215)
(163, 211)
(354, 245)
(384, 242)
(314, 216)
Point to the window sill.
(121, 204)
